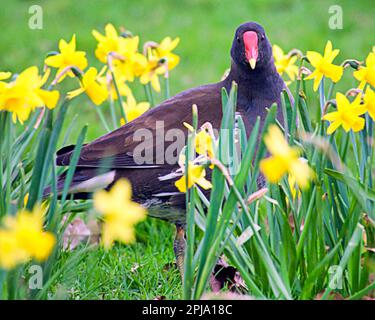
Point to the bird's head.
(251, 48)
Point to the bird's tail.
(85, 181)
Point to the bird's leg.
(179, 245)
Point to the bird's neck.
(260, 81)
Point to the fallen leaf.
(75, 233)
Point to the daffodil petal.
(333, 127)
(273, 169)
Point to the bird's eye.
(262, 37)
(238, 39)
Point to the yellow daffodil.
(164, 51)
(131, 67)
(129, 47)
(68, 56)
(196, 175)
(31, 80)
(347, 115)
(150, 74)
(366, 74)
(203, 142)
(284, 159)
(109, 42)
(133, 109)
(89, 84)
(23, 238)
(133, 63)
(120, 214)
(284, 62)
(24, 94)
(369, 102)
(323, 65)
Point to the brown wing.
(117, 149)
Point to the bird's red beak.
(250, 39)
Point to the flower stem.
(8, 138)
(149, 94)
(330, 91)
(110, 56)
(102, 118)
(167, 94)
(119, 98)
(113, 112)
(355, 151)
(321, 96)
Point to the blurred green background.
(205, 27)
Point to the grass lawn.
(145, 270)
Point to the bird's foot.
(179, 248)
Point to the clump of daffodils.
(349, 114)
(157, 58)
(123, 62)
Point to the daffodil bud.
(77, 72)
(195, 116)
(126, 34)
(51, 53)
(352, 63)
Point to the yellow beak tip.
(252, 63)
